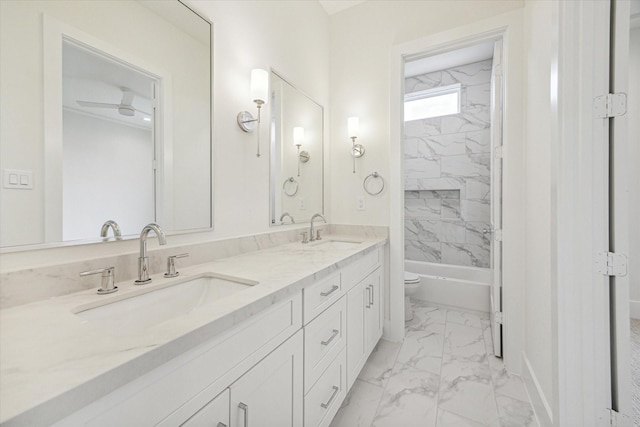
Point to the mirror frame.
(53, 124)
(273, 185)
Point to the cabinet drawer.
(355, 272)
(321, 295)
(324, 337)
(325, 397)
(214, 414)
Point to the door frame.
(509, 27)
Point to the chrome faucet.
(312, 236)
(143, 261)
(289, 215)
(114, 226)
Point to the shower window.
(440, 101)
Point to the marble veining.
(451, 152)
(444, 374)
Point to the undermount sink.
(335, 244)
(151, 306)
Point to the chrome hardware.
(374, 175)
(171, 265)
(370, 295)
(311, 230)
(330, 291)
(487, 231)
(245, 409)
(305, 239)
(106, 284)
(117, 233)
(285, 214)
(331, 338)
(221, 424)
(318, 237)
(143, 261)
(333, 396)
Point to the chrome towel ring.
(373, 175)
(290, 192)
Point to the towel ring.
(373, 175)
(284, 187)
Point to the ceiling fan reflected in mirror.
(125, 108)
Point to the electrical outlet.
(301, 204)
(361, 203)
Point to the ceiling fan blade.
(97, 104)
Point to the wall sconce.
(298, 139)
(357, 150)
(259, 95)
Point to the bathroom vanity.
(280, 344)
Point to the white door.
(622, 187)
(495, 232)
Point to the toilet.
(411, 285)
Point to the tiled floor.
(443, 375)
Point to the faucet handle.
(106, 284)
(171, 265)
(304, 237)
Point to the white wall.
(537, 298)
(101, 157)
(634, 154)
(246, 35)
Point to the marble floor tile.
(505, 383)
(410, 399)
(464, 341)
(378, 367)
(360, 406)
(422, 350)
(515, 413)
(466, 318)
(449, 419)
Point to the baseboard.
(634, 309)
(541, 407)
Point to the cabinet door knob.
(333, 396)
(331, 338)
(330, 291)
(245, 409)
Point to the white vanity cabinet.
(214, 414)
(364, 322)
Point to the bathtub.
(452, 285)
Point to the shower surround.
(447, 172)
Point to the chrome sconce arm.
(259, 94)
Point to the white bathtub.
(452, 285)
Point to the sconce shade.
(298, 136)
(259, 85)
(353, 125)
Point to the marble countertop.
(53, 362)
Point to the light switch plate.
(17, 179)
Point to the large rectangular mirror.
(297, 138)
(106, 115)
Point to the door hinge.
(611, 264)
(498, 316)
(610, 105)
(497, 234)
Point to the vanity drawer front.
(182, 386)
(322, 402)
(324, 337)
(355, 272)
(319, 296)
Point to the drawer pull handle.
(333, 335)
(368, 297)
(245, 408)
(329, 292)
(371, 301)
(333, 396)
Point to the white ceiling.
(467, 55)
(335, 6)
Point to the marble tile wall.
(447, 172)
